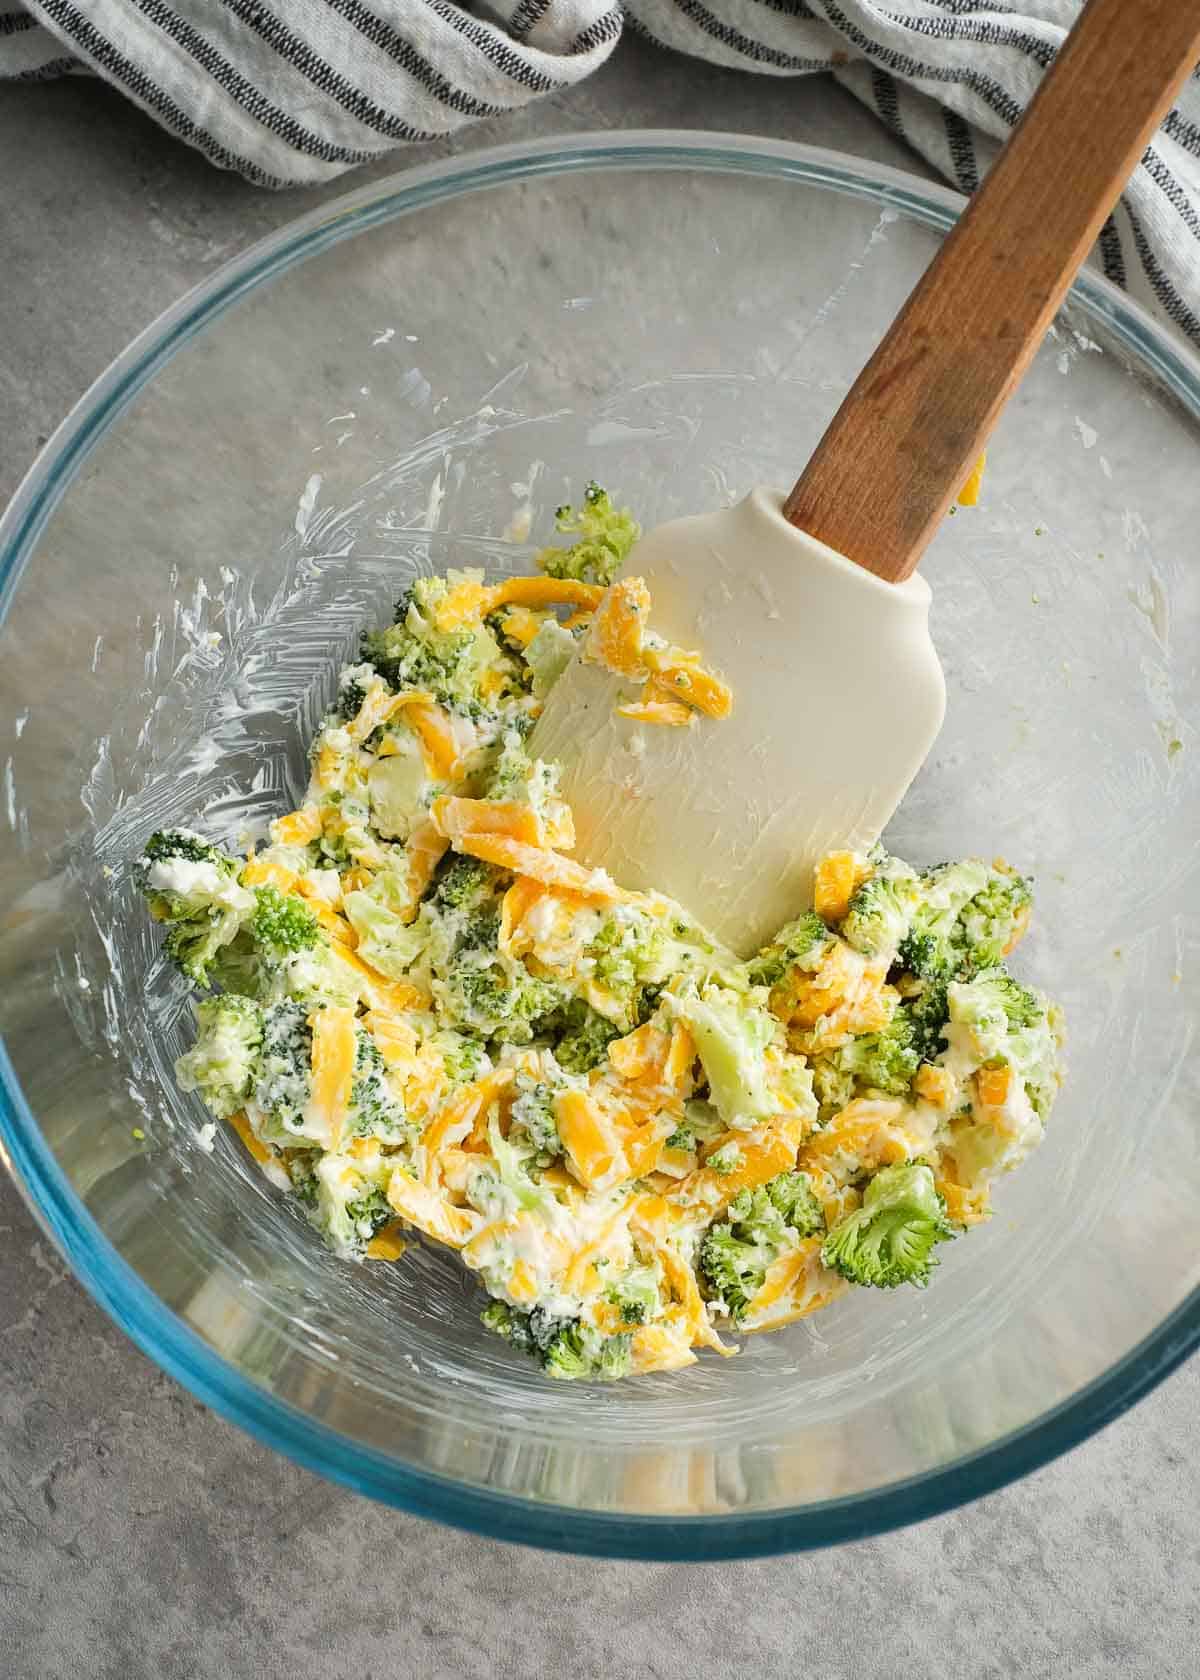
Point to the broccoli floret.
(890, 1239)
(283, 1077)
(928, 1012)
(413, 653)
(464, 1059)
(791, 1195)
(185, 843)
(727, 1159)
(375, 1110)
(193, 887)
(302, 1170)
(701, 1124)
(967, 916)
(280, 951)
(581, 1036)
(565, 1347)
(998, 1020)
(801, 944)
(493, 998)
(370, 1212)
(221, 1065)
(881, 910)
(994, 920)
(885, 1061)
(352, 691)
(282, 925)
(630, 958)
(533, 1113)
(761, 1225)
(635, 1295)
(465, 883)
(606, 535)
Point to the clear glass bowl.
(406, 378)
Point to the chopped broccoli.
(636, 1295)
(193, 887)
(221, 1064)
(801, 944)
(727, 1159)
(548, 655)
(384, 940)
(167, 844)
(998, 1020)
(881, 911)
(967, 916)
(347, 1205)
(282, 925)
(701, 1124)
(464, 883)
(281, 953)
(791, 1195)
(464, 1059)
(606, 535)
(564, 1347)
(353, 684)
(630, 958)
(283, 1077)
(890, 1239)
(884, 1061)
(484, 993)
(732, 1032)
(993, 921)
(533, 1113)
(413, 653)
(375, 1110)
(761, 1225)
(370, 1212)
(582, 1036)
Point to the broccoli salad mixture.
(421, 1015)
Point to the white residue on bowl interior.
(1087, 434)
(519, 526)
(306, 504)
(384, 337)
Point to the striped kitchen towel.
(288, 92)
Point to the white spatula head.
(838, 697)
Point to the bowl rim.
(64, 1218)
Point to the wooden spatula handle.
(903, 441)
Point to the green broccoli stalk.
(890, 1239)
(606, 535)
(762, 1224)
(566, 1348)
(193, 888)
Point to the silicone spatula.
(808, 605)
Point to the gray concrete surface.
(139, 1534)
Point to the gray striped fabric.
(288, 92)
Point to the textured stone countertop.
(140, 1535)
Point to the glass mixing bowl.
(407, 378)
